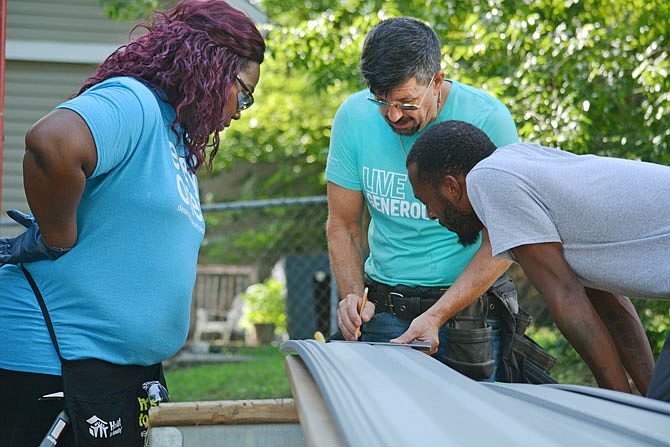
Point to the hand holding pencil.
(360, 314)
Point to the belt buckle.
(390, 298)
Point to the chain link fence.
(285, 239)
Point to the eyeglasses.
(244, 98)
(398, 105)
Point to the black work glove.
(28, 246)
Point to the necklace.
(439, 99)
(402, 146)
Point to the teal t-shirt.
(123, 293)
(406, 247)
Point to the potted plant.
(265, 309)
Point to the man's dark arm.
(625, 327)
(573, 312)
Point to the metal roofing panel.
(397, 396)
(627, 415)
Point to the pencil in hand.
(365, 300)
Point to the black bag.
(523, 360)
(106, 404)
(469, 349)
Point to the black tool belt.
(410, 302)
(402, 301)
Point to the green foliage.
(129, 9)
(287, 129)
(569, 367)
(590, 77)
(655, 316)
(265, 303)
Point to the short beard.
(406, 132)
(468, 238)
(467, 226)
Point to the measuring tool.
(416, 344)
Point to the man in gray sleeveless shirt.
(587, 230)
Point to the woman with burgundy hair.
(99, 283)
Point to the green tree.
(587, 76)
(129, 10)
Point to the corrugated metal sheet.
(396, 396)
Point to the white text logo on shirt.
(387, 193)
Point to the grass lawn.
(263, 375)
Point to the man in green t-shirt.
(413, 267)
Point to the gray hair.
(398, 49)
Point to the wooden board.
(315, 419)
(223, 412)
